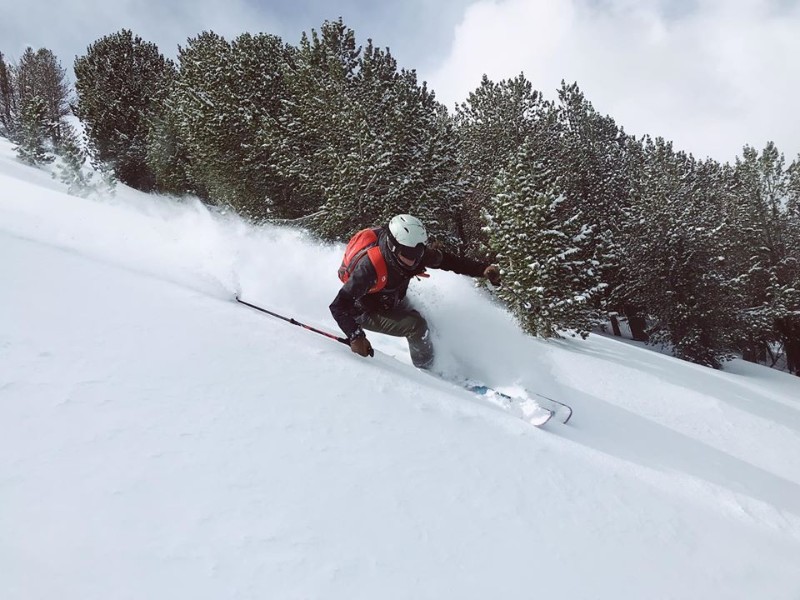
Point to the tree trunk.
(753, 351)
(615, 324)
(789, 328)
(637, 324)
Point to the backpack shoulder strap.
(381, 270)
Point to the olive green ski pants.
(407, 323)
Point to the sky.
(710, 75)
(159, 440)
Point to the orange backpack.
(364, 243)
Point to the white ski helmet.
(407, 238)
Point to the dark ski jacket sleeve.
(343, 308)
(438, 259)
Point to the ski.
(536, 411)
(527, 409)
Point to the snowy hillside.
(159, 441)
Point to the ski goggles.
(411, 253)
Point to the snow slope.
(160, 441)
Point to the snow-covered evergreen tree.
(226, 110)
(39, 77)
(34, 146)
(790, 325)
(402, 159)
(492, 125)
(594, 157)
(73, 166)
(329, 131)
(36, 103)
(7, 100)
(122, 82)
(539, 246)
(764, 251)
(673, 260)
(370, 140)
(167, 155)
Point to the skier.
(377, 268)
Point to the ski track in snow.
(158, 440)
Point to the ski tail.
(557, 406)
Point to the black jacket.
(354, 297)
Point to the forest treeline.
(587, 222)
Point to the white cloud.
(715, 77)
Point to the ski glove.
(360, 344)
(492, 273)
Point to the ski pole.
(294, 322)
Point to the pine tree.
(33, 131)
(122, 81)
(790, 326)
(327, 129)
(369, 141)
(226, 109)
(402, 159)
(168, 155)
(39, 78)
(549, 287)
(73, 167)
(672, 256)
(763, 250)
(35, 102)
(7, 100)
(594, 157)
(492, 125)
